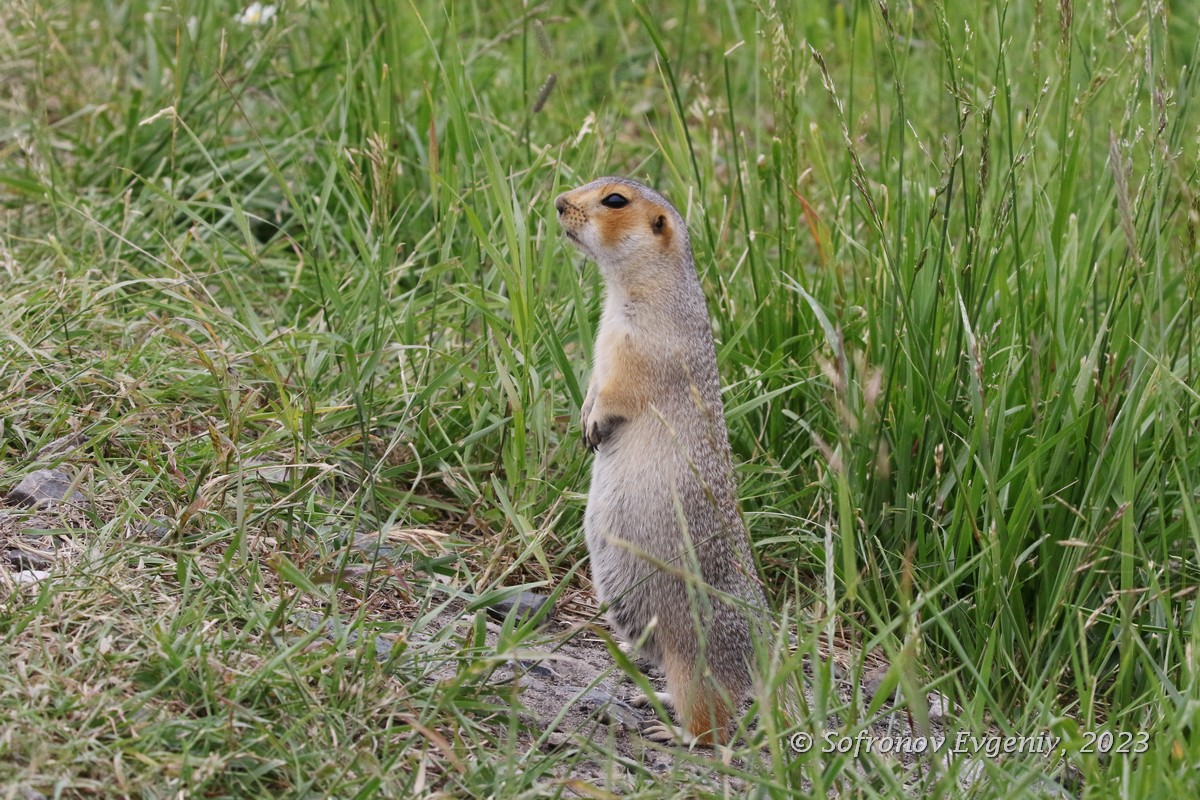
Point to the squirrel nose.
(560, 203)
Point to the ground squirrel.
(669, 551)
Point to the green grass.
(950, 254)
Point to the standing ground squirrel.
(669, 551)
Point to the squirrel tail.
(704, 707)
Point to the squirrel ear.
(659, 224)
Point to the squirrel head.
(632, 232)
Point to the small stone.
(383, 648)
(30, 576)
(971, 772)
(44, 487)
(597, 698)
(60, 447)
(524, 606)
(555, 741)
(658, 763)
(27, 559)
(872, 682)
(1046, 788)
(940, 706)
(334, 627)
(372, 545)
(269, 472)
(611, 708)
(156, 528)
(538, 669)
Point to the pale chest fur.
(670, 453)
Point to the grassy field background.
(296, 275)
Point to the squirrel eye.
(614, 200)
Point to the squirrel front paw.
(597, 421)
(597, 429)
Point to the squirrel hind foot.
(667, 734)
(664, 733)
(644, 701)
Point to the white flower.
(255, 14)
